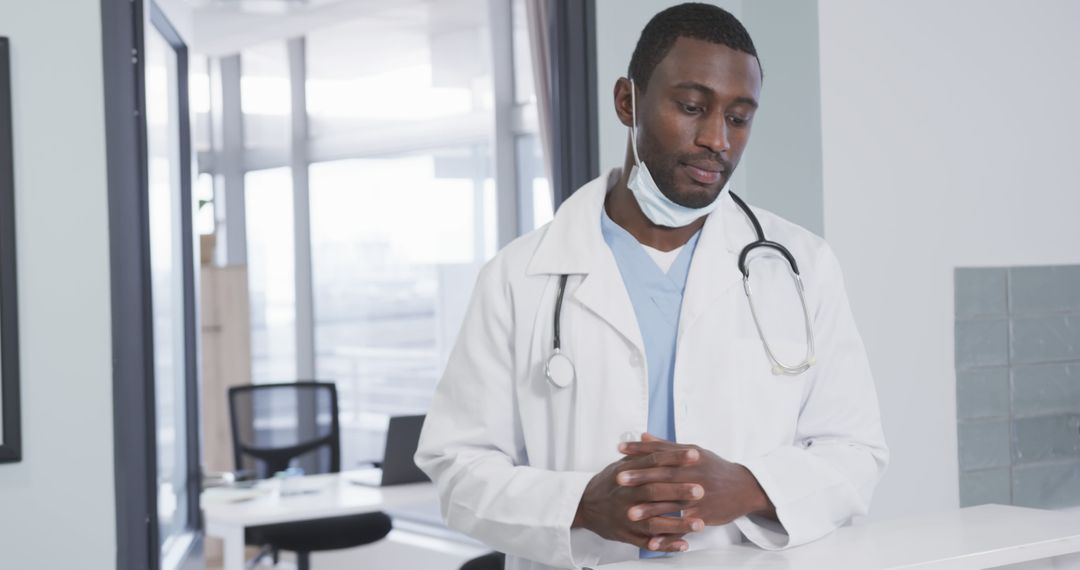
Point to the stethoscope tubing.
(558, 363)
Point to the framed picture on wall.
(10, 433)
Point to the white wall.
(949, 139)
(783, 162)
(57, 507)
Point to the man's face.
(694, 119)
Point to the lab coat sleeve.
(828, 474)
(472, 445)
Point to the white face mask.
(657, 207)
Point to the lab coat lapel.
(574, 244)
(714, 268)
(703, 365)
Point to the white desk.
(334, 496)
(987, 536)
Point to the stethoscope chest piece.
(559, 370)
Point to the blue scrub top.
(657, 300)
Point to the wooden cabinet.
(226, 356)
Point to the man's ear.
(621, 96)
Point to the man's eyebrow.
(705, 90)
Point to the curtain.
(538, 20)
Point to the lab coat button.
(635, 359)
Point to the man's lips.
(704, 174)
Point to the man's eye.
(692, 109)
(737, 121)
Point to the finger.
(668, 543)
(647, 447)
(665, 543)
(643, 447)
(631, 477)
(650, 437)
(648, 510)
(668, 458)
(657, 526)
(694, 510)
(667, 492)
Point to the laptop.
(398, 467)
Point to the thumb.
(650, 437)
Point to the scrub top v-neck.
(657, 299)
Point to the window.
(436, 69)
(199, 93)
(524, 84)
(401, 222)
(401, 193)
(166, 284)
(266, 100)
(265, 97)
(169, 210)
(204, 193)
(396, 243)
(271, 279)
(533, 184)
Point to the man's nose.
(713, 135)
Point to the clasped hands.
(638, 498)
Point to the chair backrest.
(274, 425)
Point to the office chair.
(275, 426)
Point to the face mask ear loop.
(633, 122)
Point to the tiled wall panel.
(1018, 385)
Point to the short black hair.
(691, 20)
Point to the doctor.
(592, 345)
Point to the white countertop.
(986, 536)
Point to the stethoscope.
(560, 369)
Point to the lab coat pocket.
(770, 402)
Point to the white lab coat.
(511, 453)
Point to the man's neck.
(623, 209)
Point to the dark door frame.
(10, 429)
(134, 421)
